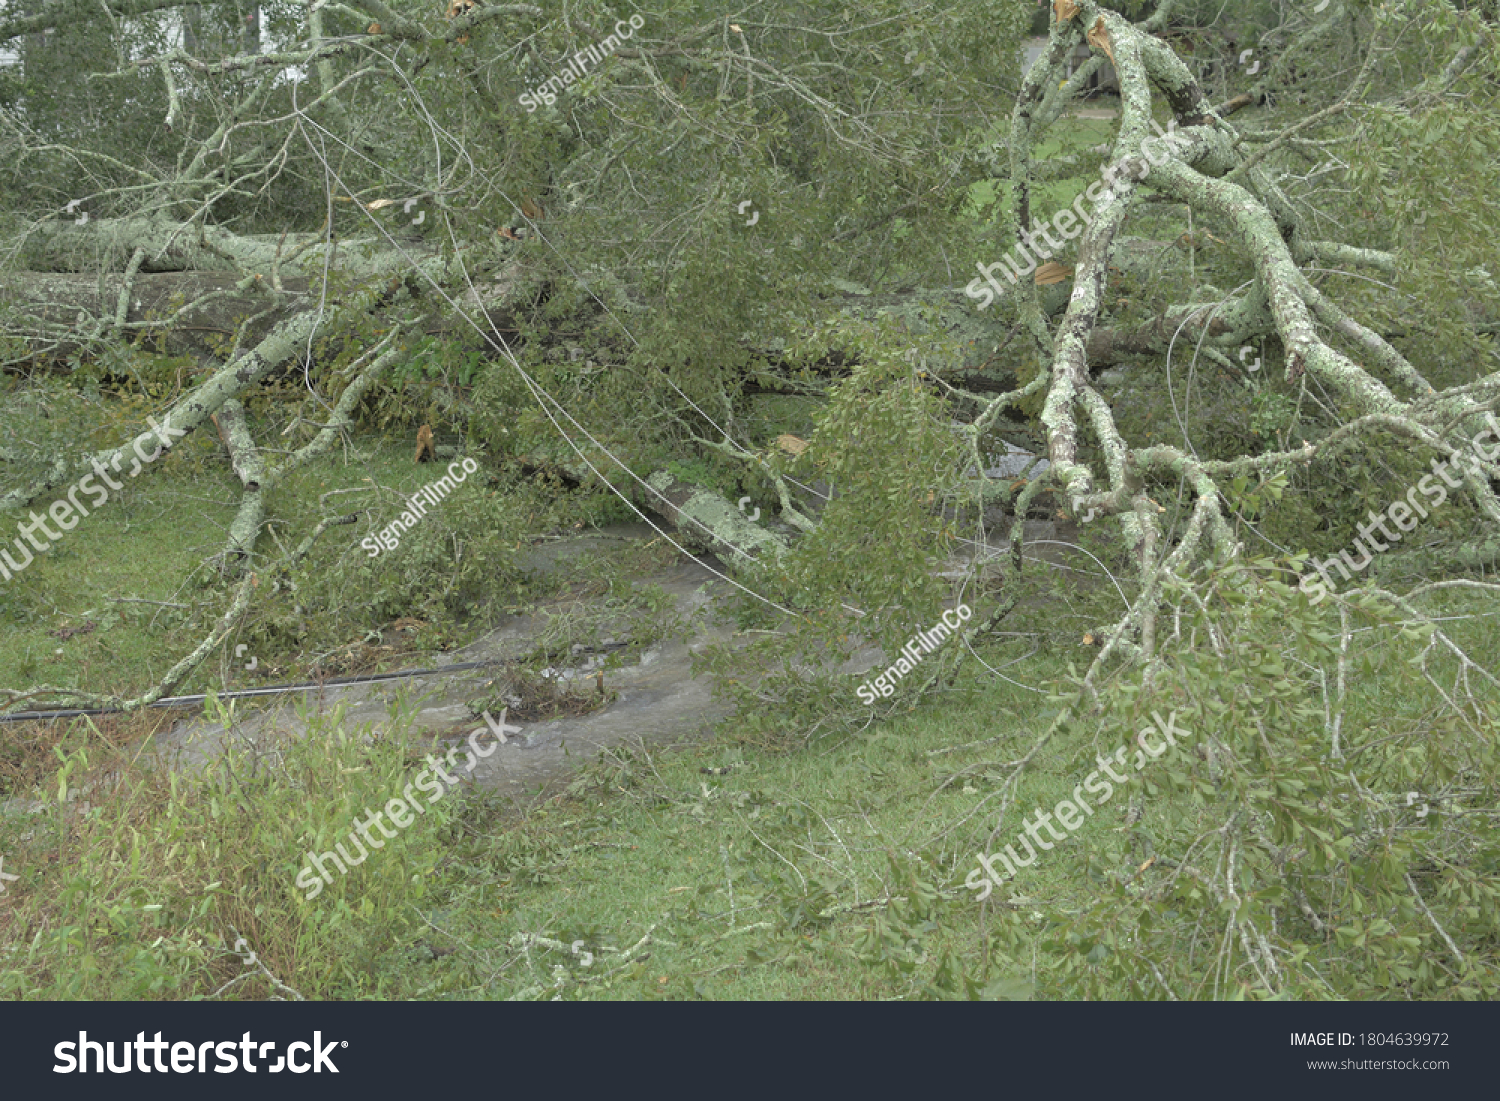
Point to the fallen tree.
(542, 259)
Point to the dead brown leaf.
(65, 633)
(1052, 272)
(1064, 10)
(457, 8)
(1099, 36)
(791, 444)
(1196, 240)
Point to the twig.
(1443, 932)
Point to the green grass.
(767, 881)
(643, 841)
(142, 569)
(827, 861)
(819, 867)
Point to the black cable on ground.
(245, 693)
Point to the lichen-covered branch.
(1208, 172)
(259, 479)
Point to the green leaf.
(1007, 990)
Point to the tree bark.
(184, 313)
